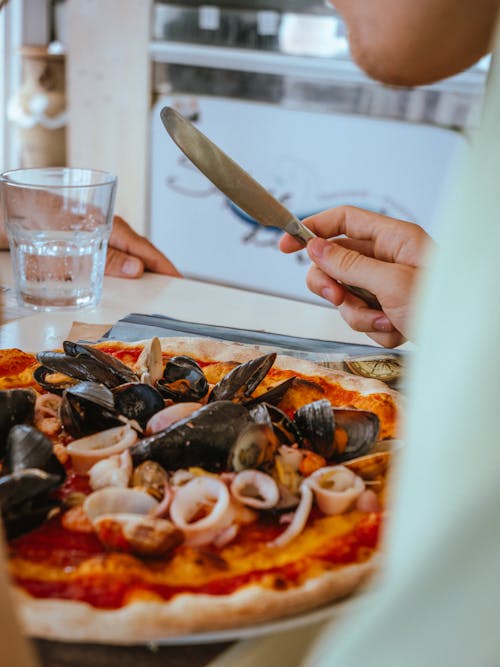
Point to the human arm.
(379, 253)
(129, 254)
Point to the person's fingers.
(121, 265)
(386, 280)
(321, 284)
(353, 310)
(364, 247)
(125, 239)
(395, 240)
(288, 244)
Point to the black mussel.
(183, 380)
(316, 424)
(356, 432)
(25, 499)
(82, 365)
(242, 380)
(338, 434)
(88, 407)
(255, 447)
(120, 371)
(53, 382)
(137, 401)
(27, 447)
(17, 406)
(204, 439)
(285, 429)
(273, 395)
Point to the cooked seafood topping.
(115, 470)
(149, 365)
(87, 451)
(202, 509)
(122, 520)
(336, 488)
(255, 489)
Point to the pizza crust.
(208, 349)
(148, 621)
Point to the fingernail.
(327, 293)
(131, 267)
(317, 247)
(383, 324)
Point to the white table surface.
(175, 297)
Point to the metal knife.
(239, 186)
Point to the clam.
(242, 380)
(183, 380)
(149, 476)
(122, 520)
(204, 438)
(85, 452)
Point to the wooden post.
(109, 95)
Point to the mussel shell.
(27, 447)
(283, 426)
(255, 447)
(151, 477)
(51, 381)
(361, 430)
(183, 380)
(99, 368)
(242, 380)
(87, 408)
(115, 367)
(17, 406)
(315, 422)
(25, 501)
(273, 395)
(17, 487)
(202, 439)
(137, 401)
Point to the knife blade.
(239, 186)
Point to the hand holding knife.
(240, 187)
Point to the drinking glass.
(58, 221)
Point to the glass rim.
(8, 177)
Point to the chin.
(410, 43)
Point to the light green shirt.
(438, 602)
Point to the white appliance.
(310, 160)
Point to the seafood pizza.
(184, 485)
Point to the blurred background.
(271, 81)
